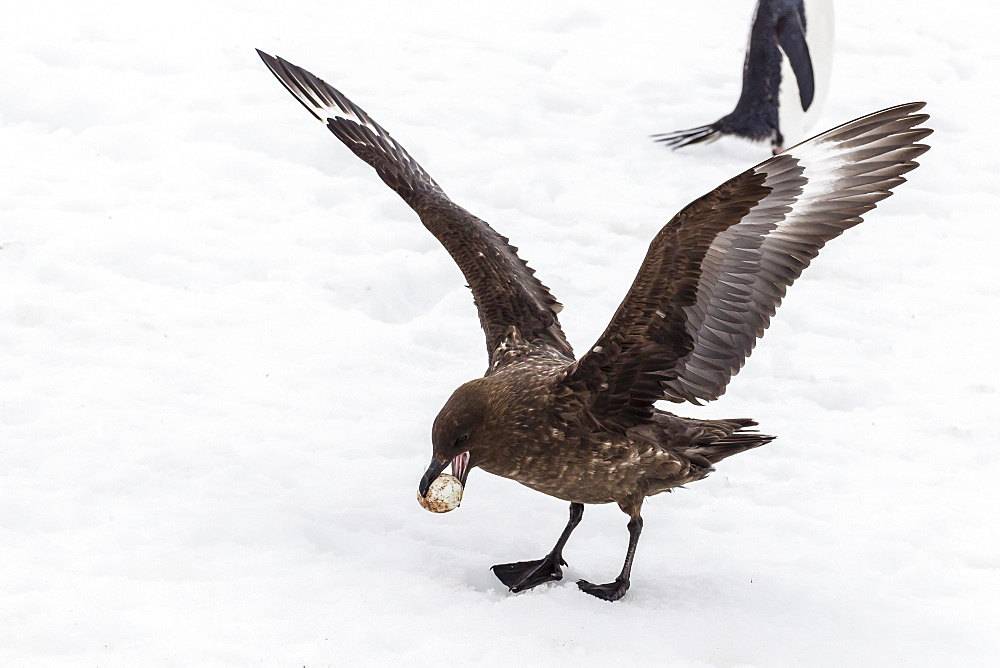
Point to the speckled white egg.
(444, 494)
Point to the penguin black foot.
(608, 592)
(527, 574)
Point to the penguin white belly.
(796, 124)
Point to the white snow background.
(223, 340)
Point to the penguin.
(786, 75)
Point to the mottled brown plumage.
(587, 430)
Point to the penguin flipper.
(792, 39)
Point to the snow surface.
(223, 340)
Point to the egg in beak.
(441, 493)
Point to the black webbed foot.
(527, 574)
(608, 592)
